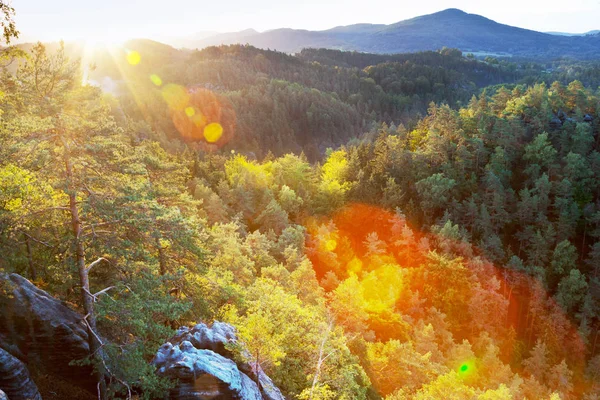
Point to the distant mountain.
(575, 34)
(449, 28)
(186, 41)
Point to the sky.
(113, 20)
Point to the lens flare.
(176, 96)
(156, 79)
(199, 115)
(384, 267)
(354, 266)
(213, 132)
(330, 245)
(133, 57)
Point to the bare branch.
(95, 295)
(36, 240)
(91, 330)
(95, 233)
(92, 226)
(103, 291)
(92, 265)
(104, 362)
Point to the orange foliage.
(382, 270)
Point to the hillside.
(453, 258)
(449, 28)
(303, 103)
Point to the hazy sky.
(120, 19)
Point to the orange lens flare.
(385, 268)
(199, 115)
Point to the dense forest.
(410, 226)
(317, 99)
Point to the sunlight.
(133, 57)
(93, 47)
(176, 96)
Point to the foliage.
(455, 258)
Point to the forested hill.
(457, 258)
(307, 102)
(449, 28)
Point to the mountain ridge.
(447, 28)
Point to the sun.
(102, 41)
(94, 47)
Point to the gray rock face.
(199, 359)
(39, 329)
(15, 381)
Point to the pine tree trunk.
(162, 259)
(87, 300)
(256, 365)
(583, 241)
(32, 269)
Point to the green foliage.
(397, 310)
(7, 23)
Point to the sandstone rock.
(199, 359)
(204, 374)
(15, 381)
(41, 330)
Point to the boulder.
(588, 118)
(203, 365)
(15, 381)
(202, 337)
(555, 123)
(204, 374)
(39, 329)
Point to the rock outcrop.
(556, 123)
(40, 330)
(203, 365)
(15, 381)
(37, 329)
